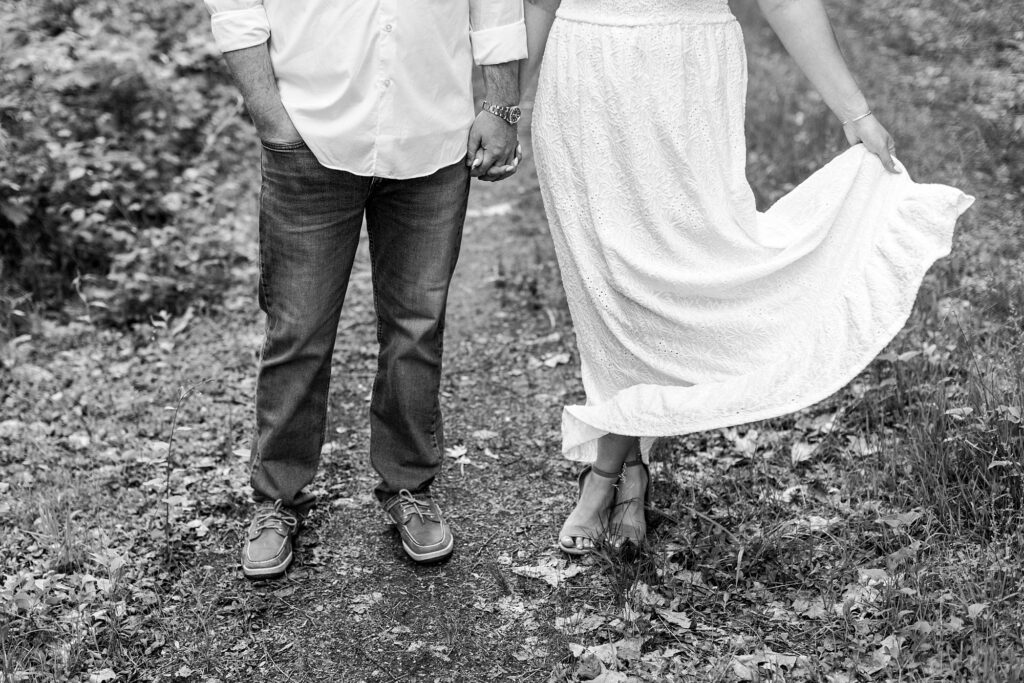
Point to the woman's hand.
(875, 137)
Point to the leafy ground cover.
(873, 537)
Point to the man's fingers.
(499, 172)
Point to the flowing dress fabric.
(692, 310)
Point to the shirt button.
(388, 28)
(387, 82)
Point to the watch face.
(514, 114)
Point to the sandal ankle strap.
(603, 473)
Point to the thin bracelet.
(858, 118)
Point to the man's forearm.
(254, 75)
(502, 83)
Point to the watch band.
(510, 113)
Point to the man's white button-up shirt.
(377, 87)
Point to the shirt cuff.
(238, 29)
(499, 44)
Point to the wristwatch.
(510, 114)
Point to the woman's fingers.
(497, 172)
(876, 138)
(886, 156)
(884, 150)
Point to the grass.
(874, 536)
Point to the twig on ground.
(480, 550)
(271, 658)
(701, 515)
(183, 395)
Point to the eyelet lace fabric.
(643, 12)
(692, 310)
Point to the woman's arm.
(540, 14)
(804, 28)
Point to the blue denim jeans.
(310, 220)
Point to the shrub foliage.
(107, 115)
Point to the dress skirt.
(692, 310)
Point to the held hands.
(493, 152)
(875, 137)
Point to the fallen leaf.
(801, 451)
(899, 520)
(455, 451)
(794, 493)
(675, 618)
(629, 648)
(556, 359)
(606, 652)
(954, 625)
(742, 671)
(550, 572)
(578, 623)
(590, 667)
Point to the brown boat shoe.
(426, 536)
(268, 544)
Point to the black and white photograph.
(444, 341)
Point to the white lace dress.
(692, 310)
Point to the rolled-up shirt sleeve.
(497, 30)
(238, 24)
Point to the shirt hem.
(397, 176)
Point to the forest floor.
(874, 536)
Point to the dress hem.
(589, 430)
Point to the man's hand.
(492, 152)
(493, 149)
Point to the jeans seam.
(437, 396)
(376, 302)
(264, 290)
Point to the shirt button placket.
(387, 25)
(386, 17)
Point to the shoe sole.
(431, 556)
(263, 573)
